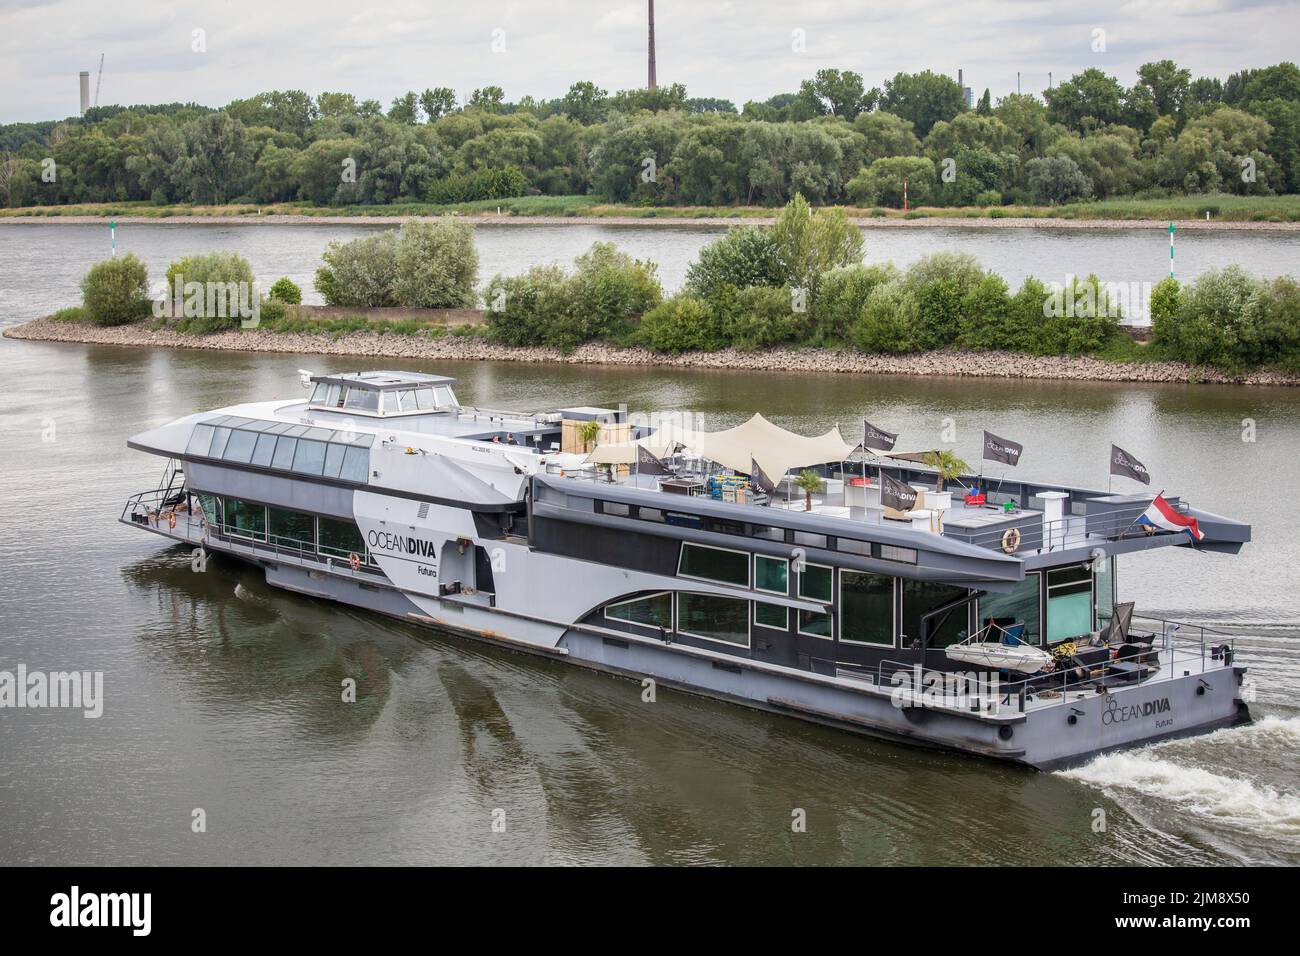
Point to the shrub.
(939, 284)
(608, 290)
(360, 273)
(843, 294)
(116, 291)
(1165, 303)
(528, 309)
(744, 256)
(287, 291)
(985, 321)
(810, 243)
(681, 324)
(758, 317)
(1280, 324)
(272, 310)
(436, 265)
(890, 320)
(1056, 179)
(1221, 317)
(215, 288)
(506, 183)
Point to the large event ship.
(980, 619)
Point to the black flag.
(877, 438)
(894, 494)
(648, 464)
(1124, 464)
(759, 476)
(999, 449)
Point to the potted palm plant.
(949, 468)
(588, 432)
(810, 483)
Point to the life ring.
(171, 520)
(354, 560)
(1011, 540)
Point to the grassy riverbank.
(1263, 211)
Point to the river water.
(223, 695)
(43, 263)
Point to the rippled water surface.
(224, 694)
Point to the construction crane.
(99, 79)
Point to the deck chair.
(1116, 630)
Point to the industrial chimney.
(85, 91)
(651, 78)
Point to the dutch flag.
(1161, 514)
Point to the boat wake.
(1169, 776)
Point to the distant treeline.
(833, 140)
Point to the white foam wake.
(1233, 801)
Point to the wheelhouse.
(383, 394)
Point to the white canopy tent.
(774, 448)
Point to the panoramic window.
(200, 440)
(284, 449)
(1105, 590)
(1018, 606)
(219, 438)
(292, 529)
(334, 459)
(245, 519)
(866, 608)
(714, 564)
(655, 611)
(339, 538)
(815, 624)
(240, 446)
(264, 449)
(356, 464)
(713, 618)
(771, 574)
(309, 459)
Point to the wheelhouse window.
(866, 608)
(362, 399)
(713, 618)
(654, 611)
(245, 519)
(1069, 602)
(1017, 606)
(921, 597)
(714, 564)
(771, 574)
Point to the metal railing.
(149, 504)
(1178, 656)
(1070, 531)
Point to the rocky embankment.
(470, 348)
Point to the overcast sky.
(734, 50)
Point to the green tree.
(116, 291)
(1085, 101)
(886, 135)
(742, 257)
(437, 102)
(836, 92)
(489, 99)
(810, 243)
(585, 102)
(218, 158)
(881, 183)
(405, 109)
(436, 265)
(1056, 179)
(923, 99)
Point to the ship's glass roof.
(284, 446)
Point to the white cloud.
(736, 50)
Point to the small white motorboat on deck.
(997, 648)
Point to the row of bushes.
(116, 291)
(1230, 319)
(430, 265)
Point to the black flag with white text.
(1000, 449)
(877, 438)
(1126, 466)
(895, 494)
